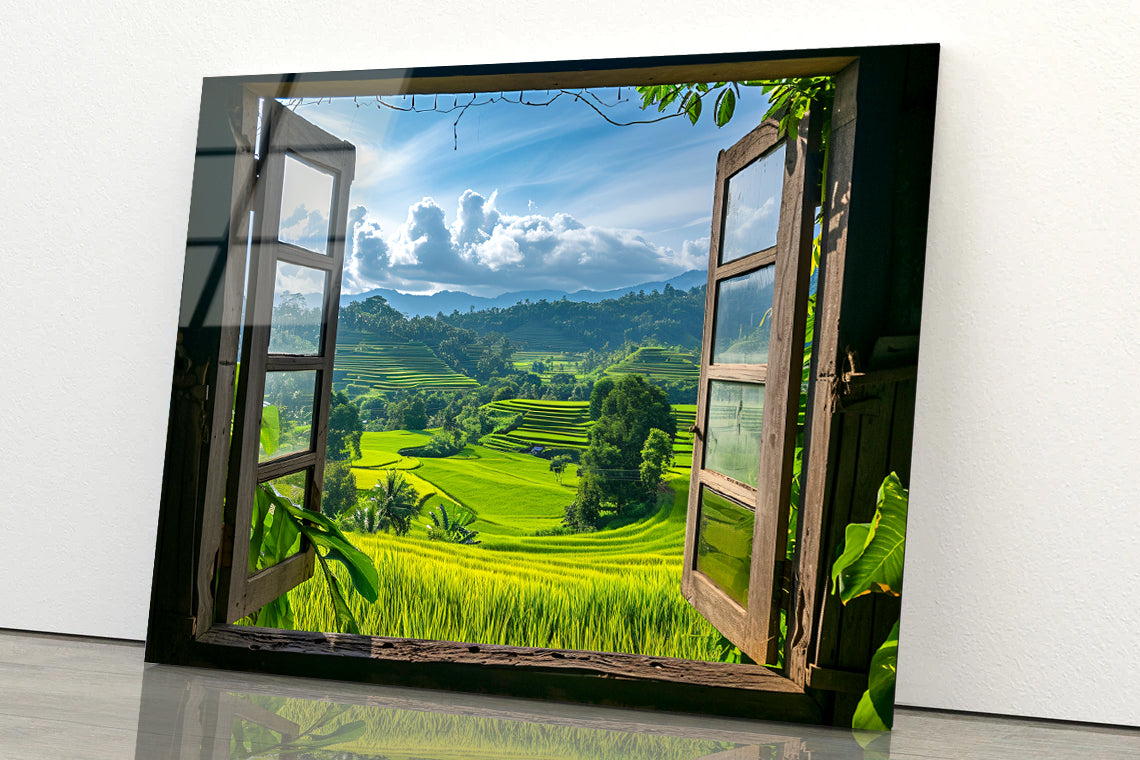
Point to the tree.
(339, 493)
(611, 463)
(656, 457)
(489, 365)
(415, 415)
(558, 466)
(582, 513)
(345, 429)
(598, 395)
(390, 506)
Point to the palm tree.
(453, 530)
(390, 506)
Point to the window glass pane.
(735, 421)
(752, 207)
(287, 413)
(744, 317)
(298, 300)
(306, 203)
(273, 536)
(724, 544)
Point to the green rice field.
(364, 364)
(659, 364)
(554, 424)
(614, 590)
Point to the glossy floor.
(69, 698)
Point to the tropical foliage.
(452, 530)
(872, 563)
(389, 506)
(277, 528)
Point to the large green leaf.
(878, 565)
(326, 535)
(877, 706)
(270, 429)
(854, 543)
(261, 505)
(346, 621)
(276, 614)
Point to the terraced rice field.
(616, 590)
(565, 424)
(374, 364)
(528, 336)
(659, 364)
(555, 424)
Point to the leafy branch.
(277, 528)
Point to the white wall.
(1024, 539)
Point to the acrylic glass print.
(534, 370)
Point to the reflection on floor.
(69, 698)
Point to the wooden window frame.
(756, 627)
(183, 628)
(284, 136)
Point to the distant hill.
(447, 301)
(671, 316)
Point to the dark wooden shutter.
(751, 363)
(290, 145)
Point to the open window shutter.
(300, 216)
(755, 310)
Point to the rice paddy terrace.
(538, 337)
(553, 424)
(658, 364)
(366, 363)
(566, 424)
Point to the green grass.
(614, 590)
(389, 365)
(659, 364)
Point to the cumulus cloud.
(486, 250)
(367, 254)
(695, 254)
(305, 227)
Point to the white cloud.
(486, 250)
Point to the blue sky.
(529, 197)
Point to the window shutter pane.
(287, 413)
(752, 207)
(298, 306)
(724, 544)
(744, 317)
(735, 421)
(306, 205)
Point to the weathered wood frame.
(877, 187)
(755, 627)
(283, 135)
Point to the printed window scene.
(533, 369)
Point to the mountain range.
(447, 301)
